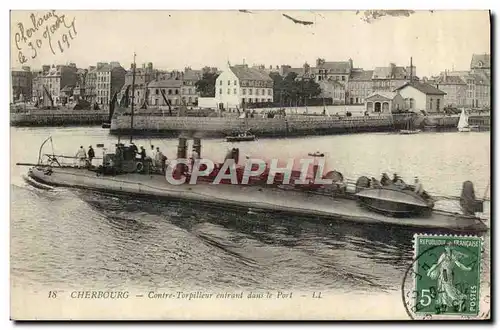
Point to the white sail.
(463, 121)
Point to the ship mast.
(132, 105)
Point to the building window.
(438, 105)
(169, 92)
(256, 92)
(220, 91)
(176, 92)
(343, 78)
(189, 99)
(234, 91)
(228, 91)
(156, 91)
(431, 103)
(189, 91)
(235, 83)
(250, 91)
(220, 82)
(263, 92)
(244, 91)
(269, 92)
(229, 82)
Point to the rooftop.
(335, 67)
(445, 79)
(165, 83)
(387, 95)
(243, 72)
(192, 75)
(361, 75)
(423, 87)
(480, 61)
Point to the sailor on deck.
(160, 160)
(152, 153)
(91, 155)
(81, 156)
(419, 188)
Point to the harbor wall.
(262, 127)
(59, 118)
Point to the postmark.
(444, 279)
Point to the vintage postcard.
(250, 165)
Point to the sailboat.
(409, 128)
(463, 123)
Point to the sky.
(435, 40)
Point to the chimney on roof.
(351, 65)
(411, 69)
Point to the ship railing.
(63, 160)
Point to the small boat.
(240, 137)
(316, 154)
(409, 128)
(106, 125)
(463, 123)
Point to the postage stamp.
(448, 270)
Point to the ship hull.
(249, 198)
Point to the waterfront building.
(337, 71)
(21, 84)
(455, 88)
(79, 90)
(391, 77)
(302, 73)
(332, 89)
(421, 96)
(143, 76)
(36, 85)
(189, 94)
(170, 88)
(239, 84)
(481, 63)
(91, 85)
(110, 79)
(53, 79)
(381, 102)
(359, 86)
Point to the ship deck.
(251, 198)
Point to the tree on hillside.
(206, 85)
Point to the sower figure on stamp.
(447, 294)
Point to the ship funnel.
(182, 148)
(234, 153)
(197, 146)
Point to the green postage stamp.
(447, 275)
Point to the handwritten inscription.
(52, 30)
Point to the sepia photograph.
(250, 164)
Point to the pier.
(59, 117)
(262, 127)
